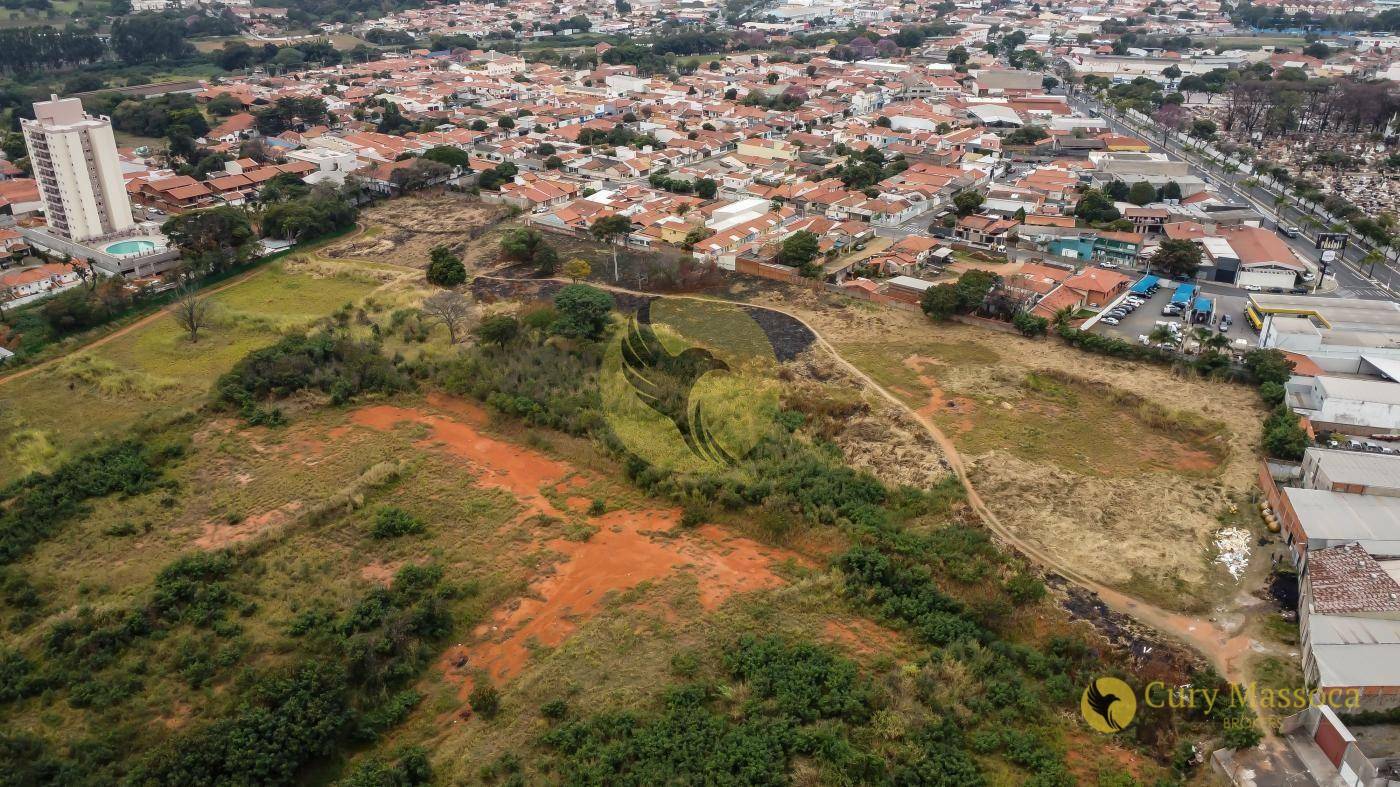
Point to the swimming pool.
(130, 247)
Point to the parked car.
(1252, 288)
(1289, 231)
(1109, 321)
(1298, 291)
(1309, 276)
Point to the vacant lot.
(155, 370)
(1125, 471)
(404, 231)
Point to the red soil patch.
(503, 465)
(860, 635)
(629, 548)
(624, 553)
(218, 535)
(381, 573)
(579, 504)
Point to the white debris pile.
(1232, 550)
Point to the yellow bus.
(1251, 313)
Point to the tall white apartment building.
(74, 158)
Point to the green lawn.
(155, 370)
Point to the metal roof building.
(1323, 519)
(1356, 472)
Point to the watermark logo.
(688, 384)
(1108, 705)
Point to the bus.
(1251, 313)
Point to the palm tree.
(1202, 336)
(1062, 316)
(1161, 335)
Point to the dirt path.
(1225, 650)
(148, 319)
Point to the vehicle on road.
(1252, 288)
(1289, 231)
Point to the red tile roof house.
(32, 281)
(983, 231)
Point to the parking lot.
(1141, 321)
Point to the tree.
(1177, 257)
(545, 259)
(498, 329)
(212, 238)
(584, 311)
(577, 268)
(1318, 50)
(419, 174)
(1269, 366)
(607, 229)
(706, 188)
(1117, 191)
(1172, 190)
(1142, 193)
(451, 309)
(192, 312)
(445, 269)
(968, 201)
(958, 55)
(799, 249)
(940, 301)
(1203, 128)
(519, 244)
(1284, 436)
(972, 288)
(449, 155)
(1095, 206)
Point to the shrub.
(445, 269)
(583, 311)
(1272, 393)
(392, 522)
(485, 700)
(555, 709)
(1030, 325)
(330, 363)
(34, 507)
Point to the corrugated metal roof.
(1337, 516)
(1353, 651)
(1357, 467)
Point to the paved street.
(1352, 282)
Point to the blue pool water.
(130, 247)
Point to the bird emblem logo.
(691, 384)
(1108, 705)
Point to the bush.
(1272, 393)
(34, 507)
(584, 311)
(1030, 325)
(391, 522)
(485, 700)
(555, 709)
(331, 363)
(1284, 436)
(445, 269)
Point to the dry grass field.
(1124, 470)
